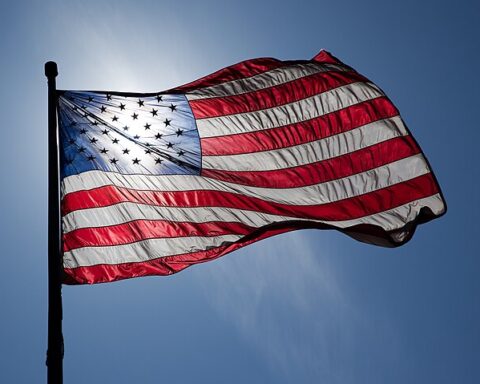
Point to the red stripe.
(238, 71)
(139, 230)
(162, 266)
(346, 209)
(322, 171)
(273, 96)
(300, 133)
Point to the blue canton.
(150, 135)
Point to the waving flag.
(153, 183)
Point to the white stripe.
(323, 149)
(291, 113)
(263, 80)
(143, 250)
(390, 220)
(125, 212)
(334, 190)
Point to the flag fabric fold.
(153, 183)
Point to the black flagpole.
(55, 337)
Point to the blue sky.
(305, 307)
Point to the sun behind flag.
(153, 183)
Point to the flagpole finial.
(51, 69)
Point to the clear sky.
(306, 307)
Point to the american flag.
(153, 183)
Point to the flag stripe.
(315, 151)
(302, 110)
(274, 95)
(323, 171)
(109, 216)
(320, 127)
(160, 266)
(280, 75)
(142, 250)
(353, 207)
(96, 179)
(358, 184)
(142, 229)
(234, 72)
(134, 231)
(122, 212)
(155, 248)
(392, 219)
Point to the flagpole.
(55, 337)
